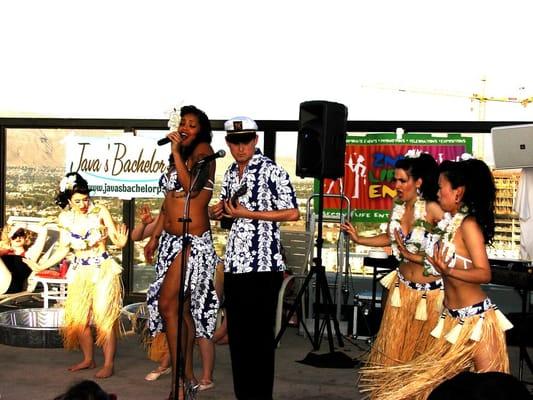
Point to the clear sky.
(106, 58)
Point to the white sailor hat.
(240, 129)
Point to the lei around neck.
(445, 232)
(418, 232)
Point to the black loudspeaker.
(321, 139)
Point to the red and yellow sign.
(369, 170)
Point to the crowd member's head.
(73, 191)
(194, 128)
(21, 238)
(416, 174)
(480, 386)
(13, 237)
(468, 186)
(86, 390)
(241, 138)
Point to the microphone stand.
(179, 372)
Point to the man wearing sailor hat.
(258, 194)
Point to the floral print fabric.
(199, 281)
(254, 245)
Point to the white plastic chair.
(43, 251)
(298, 247)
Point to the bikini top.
(82, 240)
(445, 233)
(169, 182)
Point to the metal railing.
(270, 128)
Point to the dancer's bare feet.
(105, 372)
(85, 364)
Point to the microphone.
(208, 159)
(163, 141)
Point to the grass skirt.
(95, 291)
(446, 356)
(401, 335)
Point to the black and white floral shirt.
(254, 245)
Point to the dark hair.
(29, 237)
(205, 133)
(85, 390)
(479, 194)
(79, 185)
(423, 167)
(481, 386)
(20, 232)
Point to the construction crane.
(480, 97)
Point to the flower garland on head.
(174, 120)
(67, 183)
(419, 230)
(413, 153)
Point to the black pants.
(251, 301)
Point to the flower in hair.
(67, 183)
(466, 156)
(413, 153)
(174, 120)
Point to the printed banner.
(119, 166)
(369, 171)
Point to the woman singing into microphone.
(190, 143)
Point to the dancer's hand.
(120, 237)
(348, 228)
(406, 254)
(440, 260)
(176, 140)
(145, 214)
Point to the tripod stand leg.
(330, 315)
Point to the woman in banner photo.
(470, 334)
(190, 140)
(415, 299)
(95, 288)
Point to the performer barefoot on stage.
(415, 300)
(190, 143)
(95, 288)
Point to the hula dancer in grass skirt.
(415, 299)
(470, 334)
(95, 287)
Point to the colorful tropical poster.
(369, 161)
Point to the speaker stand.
(332, 359)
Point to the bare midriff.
(174, 210)
(415, 273)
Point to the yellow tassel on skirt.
(401, 337)
(443, 360)
(95, 292)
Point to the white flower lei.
(445, 232)
(67, 183)
(418, 230)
